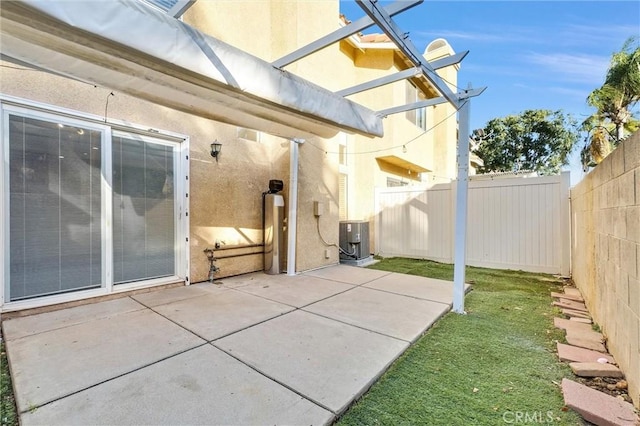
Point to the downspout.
(292, 219)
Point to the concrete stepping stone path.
(570, 353)
(569, 304)
(598, 407)
(566, 324)
(574, 313)
(595, 369)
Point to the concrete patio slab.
(217, 314)
(393, 315)
(348, 274)
(298, 291)
(414, 286)
(201, 386)
(246, 279)
(129, 361)
(56, 363)
(328, 362)
(17, 328)
(175, 294)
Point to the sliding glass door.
(86, 207)
(143, 209)
(55, 242)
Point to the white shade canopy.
(131, 47)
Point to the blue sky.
(531, 55)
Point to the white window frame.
(23, 107)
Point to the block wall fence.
(605, 215)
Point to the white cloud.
(578, 68)
(463, 35)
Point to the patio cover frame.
(382, 17)
(55, 36)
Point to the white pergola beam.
(342, 33)
(406, 46)
(388, 79)
(402, 75)
(469, 93)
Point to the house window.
(248, 134)
(173, 8)
(342, 154)
(393, 182)
(343, 208)
(416, 116)
(87, 207)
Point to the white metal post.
(292, 218)
(462, 187)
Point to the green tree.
(538, 140)
(619, 93)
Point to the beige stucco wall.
(605, 210)
(225, 197)
(434, 150)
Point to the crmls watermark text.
(522, 417)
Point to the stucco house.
(108, 180)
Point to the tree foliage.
(613, 102)
(538, 140)
(621, 88)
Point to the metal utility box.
(273, 234)
(354, 240)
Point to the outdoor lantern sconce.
(216, 147)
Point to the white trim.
(182, 185)
(92, 118)
(107, 210)
(73, 296)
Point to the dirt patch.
(609, 385)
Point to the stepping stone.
(597, 407)
(595, 369)
(565, 296)
(586, 339)
(587, 344)
(569, 304)
(581, 320)
(576, 354)
(574, 313)
(566, 324)
(573, 291)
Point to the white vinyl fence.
(513, 223)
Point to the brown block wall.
(605, 212)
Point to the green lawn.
(494, 366)
(8, 416)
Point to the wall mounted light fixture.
(216, 147)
